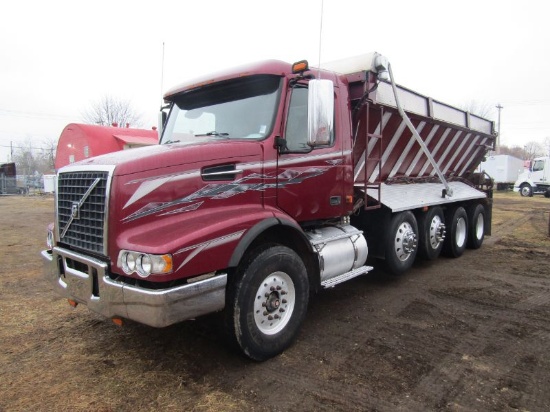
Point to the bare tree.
(546, 144)
(49, 149)
(481, 109)
(31, 159)
(110, 110)
(533, 149)
(515, 151)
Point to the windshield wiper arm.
(213, 133)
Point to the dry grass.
(56, 359)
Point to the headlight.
(144, 264)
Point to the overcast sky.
(58, 57)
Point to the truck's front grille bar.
(81, 208)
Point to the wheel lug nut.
(276, 316)
(281, 310)
(270, 317)
(263, 304)
(265, 312)
(278, 288)
(272, 288)
(284, 301)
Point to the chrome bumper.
(84, 279)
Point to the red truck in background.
(268, 183)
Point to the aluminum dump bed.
(385, 148)
(386, 152)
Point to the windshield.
(243, 108)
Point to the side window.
(296, 123)
(539, 165)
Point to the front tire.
(457, 231)
(526, 190)
(267, 302)
(401, 242)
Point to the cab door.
(540, 171)
(309, 180)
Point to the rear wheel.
(457, 232)
(476, 226)
(431, 231)
(401, 243)
(267, 302)
(526, 190)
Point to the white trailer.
(504, 169)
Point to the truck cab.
(536, 179)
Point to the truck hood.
(149, 158)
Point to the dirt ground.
(471, 334)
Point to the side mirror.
(320, 112)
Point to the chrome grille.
(81, 208)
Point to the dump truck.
(271, 181)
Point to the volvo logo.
(75, 211)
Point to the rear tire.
(431, 233)
(476, 226)
(457, 232)
(401, 242)
(267, 302)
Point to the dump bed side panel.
(385, 149)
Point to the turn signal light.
(73, 303)
(118, 321)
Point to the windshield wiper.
(171, 141)
(213, 133)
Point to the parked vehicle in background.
(269, 182)
(8, 181)
(503, 169)
(536, 179)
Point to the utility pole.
(499, 107)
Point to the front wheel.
(267, 302)
(401, 242)
(457, 231)
(526, 190)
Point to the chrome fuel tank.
(340, 249)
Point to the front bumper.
(85, 280)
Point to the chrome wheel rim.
(405, 241)
(274, 303)
(460, 236)
(480, 226)
(437, 232)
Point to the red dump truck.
(270, 181)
